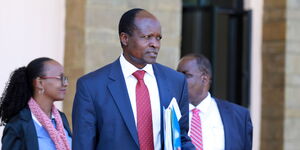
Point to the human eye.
(187, 75)
(158, 38)
(62, 77)
(146, 36)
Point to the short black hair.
(126, 23)
(203, 63)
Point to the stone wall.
(102, 18)
(92, 35)
(292, 77)
(74, 61)
(273, 74)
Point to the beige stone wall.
(273, 68)
(101, 24)
(292, 77)
(92, 35)
(74, 61)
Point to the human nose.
(155, 43)
(66, 83)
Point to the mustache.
(152, 50)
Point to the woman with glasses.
(31, 120)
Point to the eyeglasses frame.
(63, 79)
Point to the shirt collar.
(204, 105)
(128, 69)
(37, 121)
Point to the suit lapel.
(164, 95)
(226, 119)
(29, 128)
(163, 86)
(65, 123)
(118, 89)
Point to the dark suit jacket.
(237, 126)
(102, 113)
(20, 134)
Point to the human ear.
(124, 39)
(205, 79)
(37, 83)
(38, 86)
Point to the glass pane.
(201, 3)
(189, 2)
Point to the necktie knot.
(139, 75)
(195, 111)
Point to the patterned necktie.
(144, 115)
(196, 130)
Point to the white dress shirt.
(128, 69)
(211, 122)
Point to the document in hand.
(171, 126)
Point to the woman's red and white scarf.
(57, 134)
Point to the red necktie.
(144, 115)
(196, 130)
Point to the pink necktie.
(196, 130)
(144, 115)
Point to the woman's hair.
(20, 88)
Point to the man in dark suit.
(215, 124)
(120, 105)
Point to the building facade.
(83, 35)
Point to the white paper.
(168, 122)
(175, 106)
(167, 129)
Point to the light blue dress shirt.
(44, 140)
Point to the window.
(221, 31)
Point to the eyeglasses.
(62, 78)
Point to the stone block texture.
(273, 74)
(292, 77)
